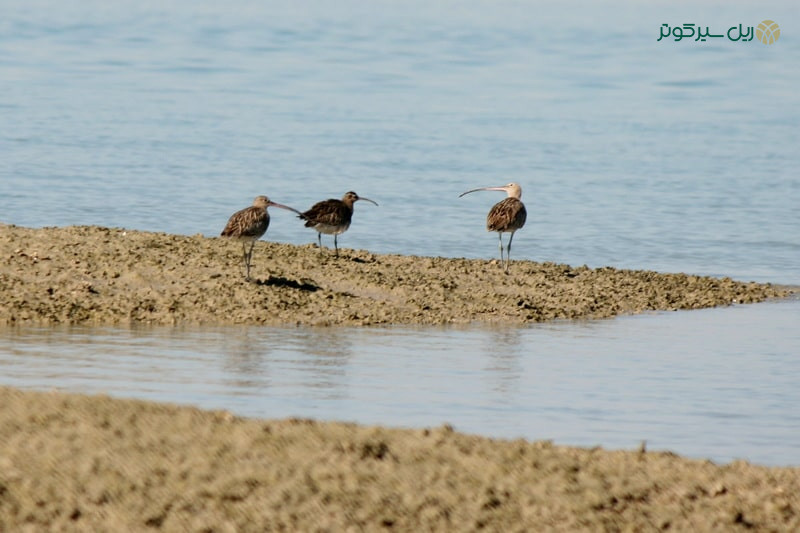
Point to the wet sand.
(96, 275)
(81, 463)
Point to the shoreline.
(75, 462)
(109, 276)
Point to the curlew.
(506, 216)
(332, 217)
(249, 224)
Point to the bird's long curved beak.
(368, 200)
(483, 189)
(276, 204)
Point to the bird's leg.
(244, 257)
(319, 239)
(249, 258)
(500, 237)
(508, 251)
(336, 244)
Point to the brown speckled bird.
(332, 217)
(506, 216)
(249, 224)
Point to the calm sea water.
(672, 156)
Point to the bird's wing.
(506, 215)
(249, 222)
(330, 212)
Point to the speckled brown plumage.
(249, 224)
(506, 216)
(332, 216)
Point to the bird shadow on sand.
(277, 281)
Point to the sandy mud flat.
(72, 462)
(91, 463)
(96, 275)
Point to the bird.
(506, 216)
(249, 224)
(332, 217)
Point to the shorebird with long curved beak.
(506, 216)
(249, 224)
(332, 217)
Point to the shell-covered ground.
(96, 275)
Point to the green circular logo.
(768, 31)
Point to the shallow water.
(718, 383)
(679, 157)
